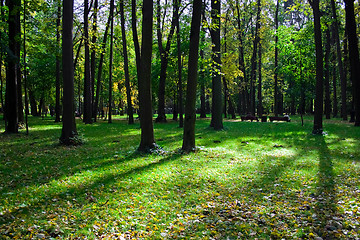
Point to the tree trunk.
(318, 127)
(1, 59)
(202, 81)
(339, 61)
(217, 104)
(135, 36)
(253, 59)
(327, 75)
(99, 73)
(58, 59)
(20, 107)
(69, 133)
(164, 53)
(87, 79)
(111, 60)
(353, 56)
(11, 105)
(145, 102)
(190, 112)
(179, 62)
(126, 65)
(260, 105)
(93, 57)
(276, 82)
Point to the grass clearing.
(251, 180)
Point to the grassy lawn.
(252, 180)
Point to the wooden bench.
(280, 119)
(249, 117)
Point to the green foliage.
(252, 180)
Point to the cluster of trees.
(249, 57)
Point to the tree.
(318, 112)
(87, 80)
(93, 57)
(164, 53)
(217, 105)
(147, 142)
(58, 59)
(111, 60)
(276, 82)
(11, 94)
(353, 56)
(69, 133)
(190, 113)
(126, 65)
(179, 64)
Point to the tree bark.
(190, 112)
(318, 112)
(217, 104)
(179, 65)
(93, 57)
(145, 102)
(260, 105)
(87, 79)
(276, 82)
(69, 133)
(353, 56)
(58, 59)
(111, 60)
(11, 99)
(339, 61)
(327, 75)
(20, 107)
(126, 65)
(164, 53)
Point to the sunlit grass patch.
(251, 180)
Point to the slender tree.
(126, 65)
(190, 113)
(1, 60)
(164, 58)
(327, 75)
(69, 133)
(353, 56)
(87, 79)
(111, 60)
(179, 64)
(145, 102)
(318, 112)
(11, 105)
(260, 97)
(276, 82)
(19, 84)
(58, 59)
(93, 57)
(217, 104)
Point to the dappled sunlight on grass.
(251, 180)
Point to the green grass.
(262, 180)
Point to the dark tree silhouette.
(145, 103)
(111, 60)
(87, 80)
(11, 104)
(318, 112)
(69, 133)
(190, 113)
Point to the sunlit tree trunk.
(179, 65)
(87, 79)
(69, 132)
(111, 61)
(190, 111)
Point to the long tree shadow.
(328, 221)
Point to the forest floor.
(251, 180)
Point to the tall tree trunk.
(179, 63)
(111, 60)
(318, 127)
(11, 105)
(353, 57)
(126, 65)
(145, 102)
(1, 60)
(217, 105)
(339, 61)
(69, 133)
(58, 59)
(93, 57)
(254, 60)
(260, 105)
(20, 107)
(327, 75)
(135, 35)
(164, 53)
(190, 113)
(99, 73)
(335, 100)
(202, 80)
(25, 71)
(87, 79)
(276, 82)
